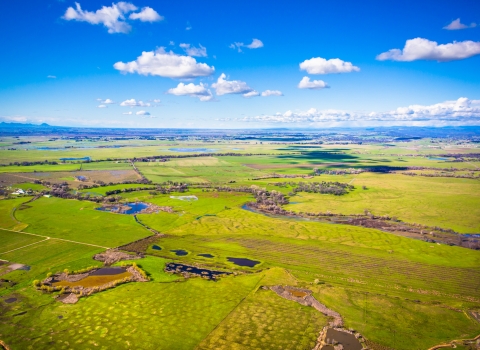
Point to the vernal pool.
(243, 262)
(129, 208)
(200, 150)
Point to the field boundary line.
(59, 239)
(253, 291)
(28, 245)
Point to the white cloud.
(423, 49)
(134, 103)
(306, 83)
(107, 101)
(223, 86)
(256, 44)
(51, 76)
(142, 113)
(192, 90)
(252, 93)
(112, 17)
(319, 65)
(157, 100)
(271, 93)
(194, 51)
(102, 106)
(457, 112)
(456, 25)
(189, 26)
(165, 64)
(147, 15)
(128, 113)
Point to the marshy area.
(88, 281)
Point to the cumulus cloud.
(112, 17)
(102, 106)
(157, 100)
(134, 103)
(194, 51)
(107, 101)
(252, 93)
(128, 113)
(423, 49)
(256, 44)
(456, 25)
(165, 64)
(267, 93)
(142, 113)
(319, 65)
(306, 83)
(223, 86)
(462, 111)
(147, 15)
(51, 76)
(200, 91)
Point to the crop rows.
(392, 271)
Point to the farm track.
(54, 238)
(396, 272)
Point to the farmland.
(398, 292)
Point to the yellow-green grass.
(154, 315)
(265, 321)
(7, 217)
(30, 186)
(39, 168)
(199, 169)
(445, 202)
(13, 241)
(397, 322)
(79, 221)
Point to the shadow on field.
(315, 156)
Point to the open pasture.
(199, 169)
(427, 288)
(444, 202)
(79, 221)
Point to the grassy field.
(400, 293)
(444, 202)
(47, 217)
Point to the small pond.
(200, 150)
(81, 158)
(81, 178)
(180, 268)
(243, 262)
(206, 255)
(179, 252)
(348, 340)
(156, 247)
(185, 198)
(97, 278)
(133, 208)
(104, 271)
(437, 158)
(10, 300)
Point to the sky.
(240, 64)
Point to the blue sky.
(61, 61)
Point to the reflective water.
(243, 262)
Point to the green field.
(399, 293)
